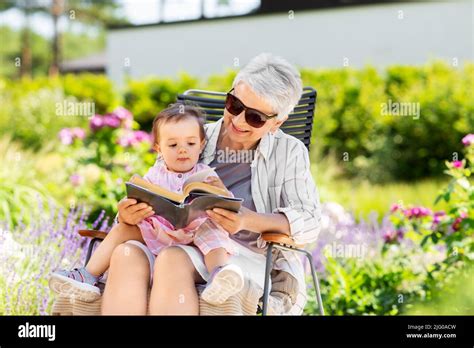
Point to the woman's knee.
(173, 259)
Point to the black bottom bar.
(112, 330)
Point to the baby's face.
(180, 144)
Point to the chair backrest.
(299, 122)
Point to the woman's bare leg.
(174, 290)
(120, 233)
(128, 281)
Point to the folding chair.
(299, 124)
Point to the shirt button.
(180, 176)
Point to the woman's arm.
(247, 219)
(300, 198)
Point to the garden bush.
(145, 98)
(349, 123)
(101, 157)
(29, 107)
(408, 259)
(27, 177)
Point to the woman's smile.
(237, 130)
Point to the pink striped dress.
(157, 232)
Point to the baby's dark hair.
(175, 113)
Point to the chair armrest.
(93, 234)
(279, 238)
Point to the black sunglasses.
(253, 117)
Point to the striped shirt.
(281, 183)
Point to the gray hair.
(274, 80)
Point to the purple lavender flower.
(45, 249)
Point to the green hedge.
(349, 119)
(28, 106)
(349, 122)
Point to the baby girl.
(179, 138)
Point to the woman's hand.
(232, 222)
(132, 213)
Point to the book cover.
(181, 209)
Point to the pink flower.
(120, 117)
(417, 212)
(78, 133)
(142, 136)
(391, 236)
(132, 138)
(65, 136)
(395, 207)
(457, 164)
(468, 140)
(96, 122)
(457, 222)
(437, 217)
(122, 113)
(75, 179)
(68, 135)
(110, 120)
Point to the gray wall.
(364, 35)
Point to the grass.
(362, 198)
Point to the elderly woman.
(274, 181)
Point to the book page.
(199, 176)
(139, 181)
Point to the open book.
(182, 208)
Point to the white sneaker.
(224, 282)
(75, 284)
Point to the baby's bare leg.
(120, 233)
(216, 257)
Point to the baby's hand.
(217, 182)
